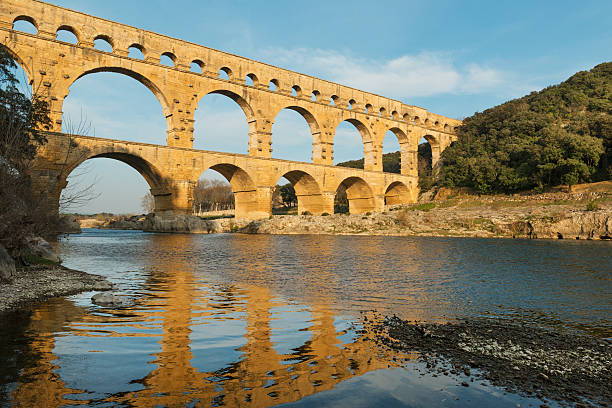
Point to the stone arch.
(243, 187)
(20, 61)
(107, 39)
(366, 140)
(253, 78)
(297, 90)
(244, 105)
(359, 195)
(137, 76)
(307, 190)
(227, 72)
(70, 29)
(308, 117)
(140, 48)
(26, 19)
(197, 66)
(170, 56)
(274, 85)
(404, 142)
(397, 193)
(158, 184)
(434, 146)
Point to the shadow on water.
(261, 320)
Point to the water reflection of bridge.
(261, 376)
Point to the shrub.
(592, 206)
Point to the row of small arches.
(104, 43)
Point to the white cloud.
(420, 75)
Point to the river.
(260, 320)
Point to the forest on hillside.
(559, 135)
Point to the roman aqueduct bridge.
(261, 91)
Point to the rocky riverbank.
(571, 369)
(554, 215)
(557, 215)
(40, 282)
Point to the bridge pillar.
(176, 198)
(372, 157)
(260, 137)
(180, 120)
(323, 152)
(327, 202)
(253, 204)
(409, 158)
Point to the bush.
(592, 206)
(325, 214)
(423, 207)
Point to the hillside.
(559, 135)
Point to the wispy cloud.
(419, 75)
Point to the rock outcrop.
(68, 224)
(38, 247)
(578, 225)
(7, 266)
(189, 224)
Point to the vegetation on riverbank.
(21, 117)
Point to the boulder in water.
(108, 299)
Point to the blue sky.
(450, 57)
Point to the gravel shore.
(42, 282)
(571, 369)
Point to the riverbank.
(552, 215)
(571, 369)
(40, 282)
(586, 213)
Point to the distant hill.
(559, 135)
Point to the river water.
(259, 320)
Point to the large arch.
(243, 187)
(311, 121)
(21, 63)
(307, 190)
(163, 100)
(158, 185)
(397, 193)
(369, 154)
(229, 123)
(359, 194)
(404, 149)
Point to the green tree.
(21, 118)
(560, 135)
(288, 195)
